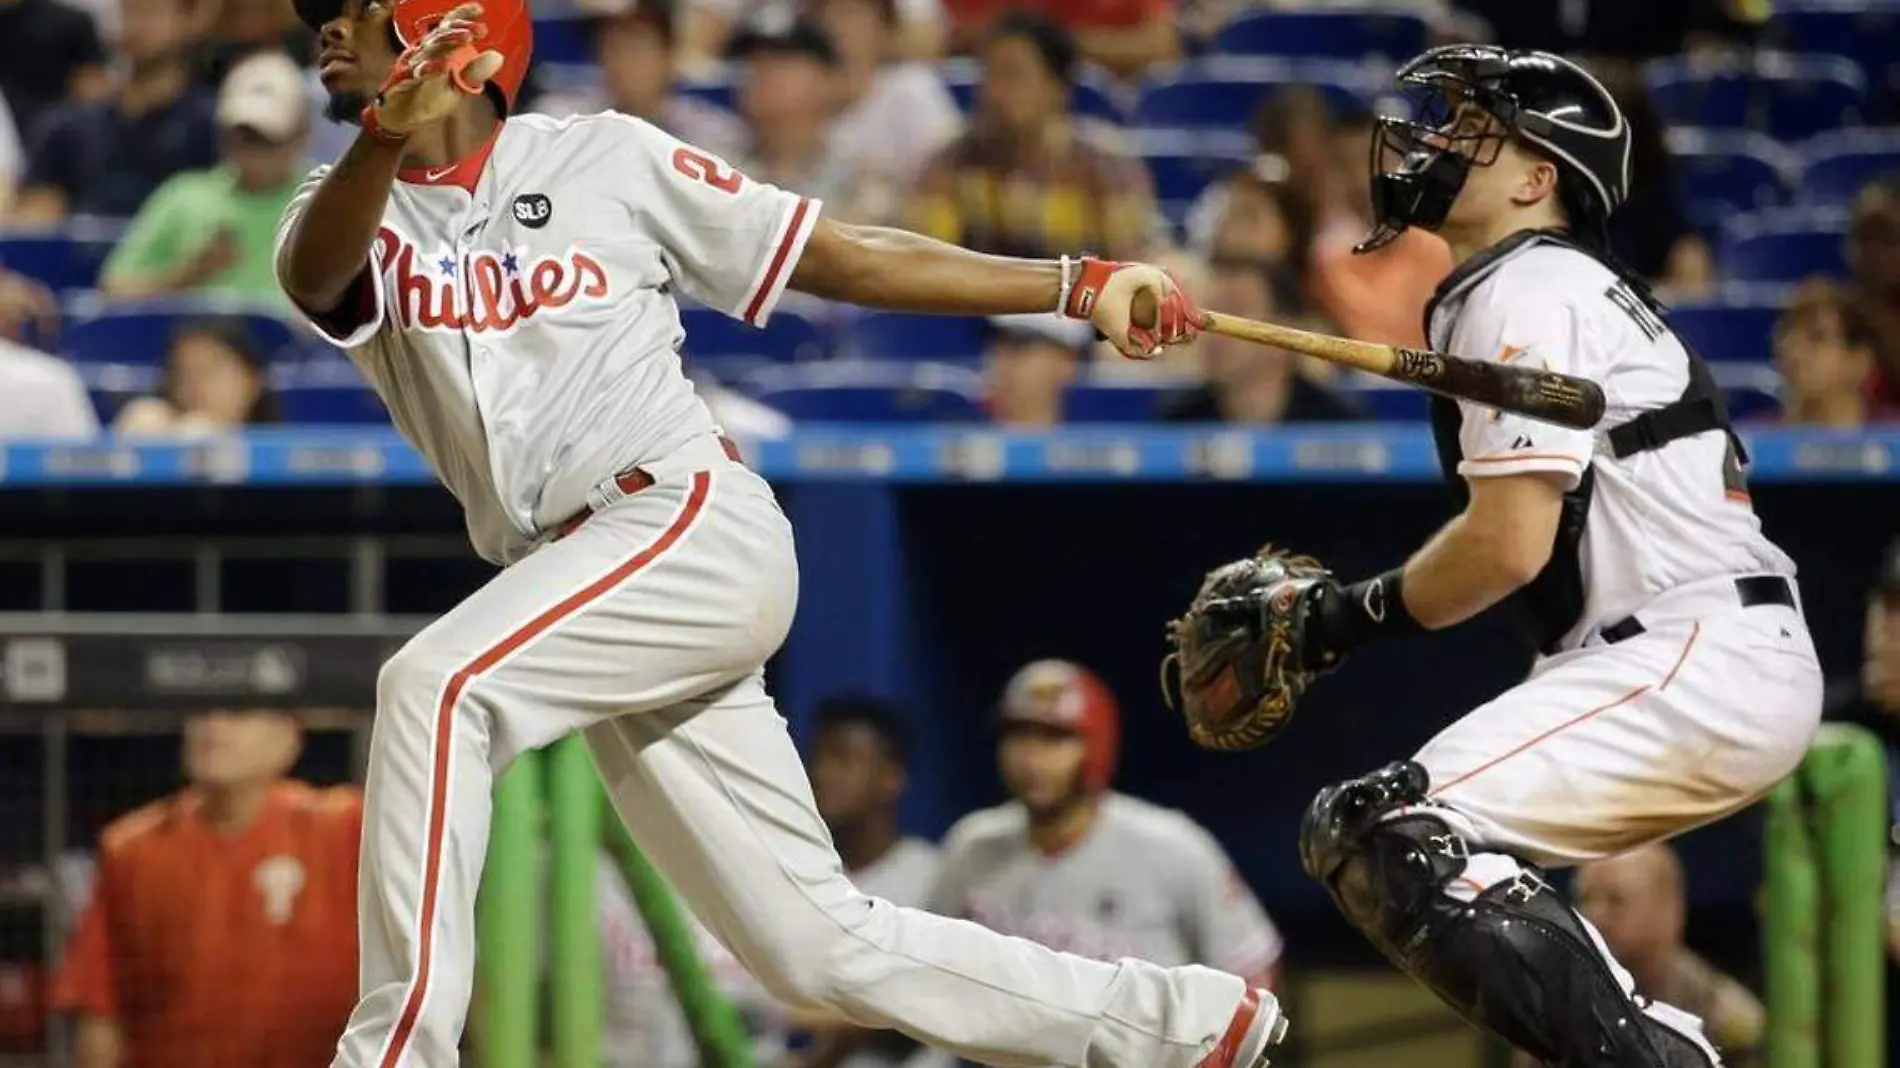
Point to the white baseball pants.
(646, 629)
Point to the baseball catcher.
(1675, 681)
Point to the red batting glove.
(1177, 321)
(1091, 275)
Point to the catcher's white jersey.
(1182, 903)
(519, 319)
(1659, 519)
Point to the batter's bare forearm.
(879, 267)
(330, 242)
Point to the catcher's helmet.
(1545, 102)
(510, 32)
(1058, 693)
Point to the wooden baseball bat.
(1565, 400)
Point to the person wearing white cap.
(213, 230)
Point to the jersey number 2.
(701, 167)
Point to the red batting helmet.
(510, 32)
(1058, 693)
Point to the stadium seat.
(869, 391)
(1115, 402)
(1838, 164)
(1094, 95)
(1389, 401)
(1751, 391)
(1184, 162)
(139, 332)
(110, 385)
(1699, 93)
(1224, 92)
(1783, 245)
(715, 336)
(1865, 31)
(902, 336)
(64, 259)
(1355, 35)
(716, 87)
(1728, 171)
(326, 389)
(562, 38)
(566, 77)
(1736, 324)
(1806, 95)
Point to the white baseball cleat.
(1258, 1026)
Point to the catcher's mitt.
(1237, 653)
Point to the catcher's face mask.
(1457, 119)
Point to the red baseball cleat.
(1258, 1027)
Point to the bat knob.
(1145, 310)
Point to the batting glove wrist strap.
(373, 125)
(1082, 282)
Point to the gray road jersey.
(1182, 903)
(520, 321)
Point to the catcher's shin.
(1237, 652)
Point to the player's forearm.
(331, 240)
(97, 1043)
(878, 267)
(1459, 573)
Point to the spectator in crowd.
(788, 93)
(220, 928)
(1124, 37)
(214, 381)
(1249, 383)
(49, 51)
(894, 114)
(1873, 254)
(1028, 364)
(43, 397)
(105, 157)
(12, 157)
(634, 45)
(215, 230)
(1824, 349)
(1257, 214)
(1379, 296)
(1629, 29)
(1027, 179)
(1072, 863)
(860, 767)
(226, 31)
(1870, 698)
(709, 26)
(1652, 231)
(1638, 902)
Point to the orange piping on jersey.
(435, 843)
(1509, 353)
(1741, 496)
(1584, 718)
(1509, 457)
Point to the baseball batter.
(1052, 864)
(507, 284)
(1677, 682)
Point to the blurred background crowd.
(147, 147)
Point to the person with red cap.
(1052, 864)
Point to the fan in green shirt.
(214, 230)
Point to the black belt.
(1753, 590)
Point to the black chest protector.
(1549, 606)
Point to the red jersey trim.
(464, 172)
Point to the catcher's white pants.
(1611, 746)
(646, 629)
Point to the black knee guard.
(1515, 961)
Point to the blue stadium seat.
(1806, 95)
(1115, 402)
(1094, 95)
(1224, 92)
(110, 385)
(1347, 34)
(716, 87)
(1840, 163)
(326, 389)
(562, 38)
(1865, 31)
(1783, 245)
(870, 391)
(1700, 93)
(1729, 171)
(68, 258)
(1389, 401)
(1184, 162)
(140, 331)
(902, 336)
(1736, 324)
(566, 77)
(1751, 391)
(789, 335)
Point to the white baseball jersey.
(1183, 903)
(518, 314)
(1659, 519)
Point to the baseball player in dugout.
(507, 285)
(1675, 683)
(1052, 864)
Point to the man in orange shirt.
(222, 927)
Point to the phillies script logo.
(484, 291)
